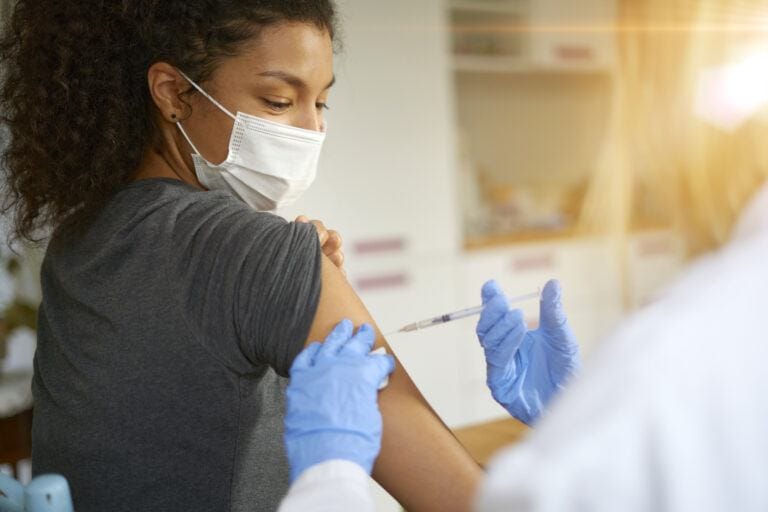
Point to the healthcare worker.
(670, 413)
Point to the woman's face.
(285, 76)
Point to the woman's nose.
(310, 120)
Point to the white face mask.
(269, 165)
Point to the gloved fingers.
(490, 290)
(494, 311)
(509, 330)
(306, 358)
(552, 315)
(336, 340)
(361, 343)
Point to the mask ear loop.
(212, 100)
(208, 96)
(191, 144)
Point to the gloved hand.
(332, 407)
(45, 493)
(526, 368)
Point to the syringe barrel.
(429, 323)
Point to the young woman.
(150, 136)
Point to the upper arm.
(421, 463)
(248, 283)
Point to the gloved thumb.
(384, 365)
(552, 314)
(494, 311)
(307, 357)
(490, 290)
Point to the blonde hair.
(657, 151)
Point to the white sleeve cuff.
(330, 486)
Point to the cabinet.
(654, 258)
(533, 87)
(511, 36)
(413, 289)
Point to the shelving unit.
(526, 36)
(487, 36)
(532, 102)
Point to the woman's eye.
(322, 106)
(277, 106)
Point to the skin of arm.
(421, 463)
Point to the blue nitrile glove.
(332, 409)
(11, 494)
(46, 493)
(526, 368)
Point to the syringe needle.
(457, 315)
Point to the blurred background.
(464, 137)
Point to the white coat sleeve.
(336, 485)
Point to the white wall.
(387, 167)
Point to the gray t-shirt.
(165, 333)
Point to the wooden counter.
(484, 440)
(479, 243)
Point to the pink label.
(381, 282)
(543, 261)
(573, 53)
(657, 247)
(378, 246)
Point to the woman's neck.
(161, 164)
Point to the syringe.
(458, 315)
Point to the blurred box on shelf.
(492, 36)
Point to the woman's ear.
(166, 86)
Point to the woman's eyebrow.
(293, 80)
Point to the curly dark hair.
(74, 97)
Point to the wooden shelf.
(479, 243)
(489, 6)
(532, 235)
(490, 64)
(500, 64)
